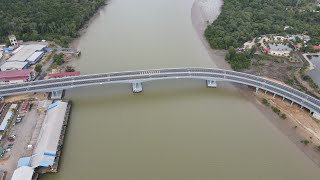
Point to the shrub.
(265, 102)
(283, 116)
(276, 110)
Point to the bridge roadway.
(137, 77)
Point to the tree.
(70, 69)
(58, 59)
(38, 68)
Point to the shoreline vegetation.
(57, 21)
(300, 128)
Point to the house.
(316, 47)
(15, 76)
(35, 57)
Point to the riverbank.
(204, 12)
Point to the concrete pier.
(137, 87)
(211, 83)
(56, 94)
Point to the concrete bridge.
(136, 78)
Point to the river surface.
(174, 129)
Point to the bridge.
(136, 78)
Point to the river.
(174, 129)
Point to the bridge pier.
(257, 89)
(274, 95)
(57, 94)
(137, 87)
(316, 115)
(211, 83)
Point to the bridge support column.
(316, 115)
(211, 83)
(137, 87)
(282, 98)
(57, 94)
(291, 103)
(257, 89)
(265, 92)
(274, 95)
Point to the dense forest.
(57, 20)
(242, 20)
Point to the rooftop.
(25, 52)
(15, 73)
(77, 73)
(48, 140)
(35, 56)
(23, 173)
(13, 65)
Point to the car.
(18, 120)
(11, 138)
(10, 145)
(8, 149)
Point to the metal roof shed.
(35, 57)
(23, 173)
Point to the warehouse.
(24, 52)
(14, 65)
(35, 57)
(23, 173)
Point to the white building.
(35, 57)
(23, 173)
(13, 40)
(14, 65)
(25, 52)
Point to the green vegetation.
(239, 60)
(265, 102)
(242, 20)
(276, 110)
(58, 59)
(38, 68)
(57, 20)
(305, 142)
(70, 69)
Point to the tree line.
(57, 20)
(242, 20)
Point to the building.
(25, 52)
(2, 105)
(23, 173)
(13, 40)
(35, 57)
(14, 65)
(4, 123)
(48, 145)
(15, 76)
(63, 74)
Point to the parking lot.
(26, 133)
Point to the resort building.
(35, 57)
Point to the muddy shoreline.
(206, 11)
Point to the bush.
(58, 59)
(276, 110)
(69, 69)
(283, 116)
(38, 68)
(265, 102)
(305, 142)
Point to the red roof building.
(316, 47)
(64, 74)
(24, 106)
(15, 76)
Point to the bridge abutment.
(137, 87)
(316, 115)
(212, 83)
